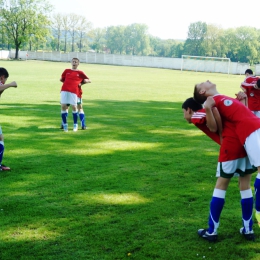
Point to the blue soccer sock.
(64, 115)
(216, 206)
(2, 148)
(257, 192)
(82, 118)
(247, 203)
(75, 117)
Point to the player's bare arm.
(9, 85)
(211, 121)
(218, 121)
(242, 97)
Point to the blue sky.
(165, 18)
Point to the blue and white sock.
(64, 115)
(247, 203)
(216, 206)
(82, 118)
(75, 117)
(257, 192)
(2, 148)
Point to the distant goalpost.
(205, 64)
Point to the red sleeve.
(63, 75)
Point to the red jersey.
(80, 92)
(71, 80)
(236, 116)
(230, 149)
(199, 120)
(252, 93)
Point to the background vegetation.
(33, 25)
(135, 185)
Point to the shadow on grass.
(135, 182)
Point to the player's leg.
(2, 148)
(81, 114)
(247, 203)
(64, 100)
(75, 117)
(66, 114)
(252, 147)
(216, 206)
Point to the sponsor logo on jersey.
(228, 102)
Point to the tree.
(196, 35)
(137, 39)
(98, 39)
(57, 29)
(65, 27)
(74, 25)
(213, 47)
(84, 27)
(116, 41)
(247, 39)
(23, 19)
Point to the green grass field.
(135, 185)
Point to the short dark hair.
(4, 72)
(192, 104)
(249, 71)
(258, 83)
(198, 97)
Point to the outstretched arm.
(6, 86)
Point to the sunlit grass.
(139, 180)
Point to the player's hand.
(209, 103)
(13, 84)
(241, 95)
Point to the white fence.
(123, 60)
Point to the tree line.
(31, 25)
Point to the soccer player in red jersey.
(247, 129)
(233, 161)
(72, 79)
(252, 92)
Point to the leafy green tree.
(212, 42)
(23, 19)
(247, 40)
(56, 30)
(194, 45)
(137, 40)
(84, 27)
(98, 39)
(116, 41)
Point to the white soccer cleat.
(65, 127)
(75, 127)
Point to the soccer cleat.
(257, 216)
(61, 126)
(4, 168)
(75, 127)
(65, 127)
(84, 127)
(249, 235)
(210, 237)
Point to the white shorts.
(79, 101)
(238, 167)
(252, 147)
(257, 113)
(68, 98)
